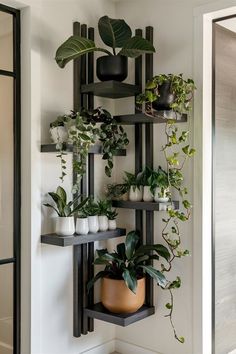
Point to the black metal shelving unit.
(85, 311)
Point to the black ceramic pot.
(166, 97)
(112, 67)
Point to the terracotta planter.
(117, 298)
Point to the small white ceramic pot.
(112, 224)
(147, 194)
(93, 224)
(103, 222)
(65, 226)
(82, 226)
(135, 194)
(59, 134)
(161, 196)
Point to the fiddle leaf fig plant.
(115, 33)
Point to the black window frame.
(16, 259)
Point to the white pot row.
(65, 226)
(144, 194)
(59, 134)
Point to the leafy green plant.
(115, 33)
(62, 208)
(131, 180)
(91, 208)
(111, 214)
(181, 89)
(131, 261)
(103, 206)
(84, 130)
(116, 191)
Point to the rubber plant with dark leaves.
(115, 33)
(131, 261)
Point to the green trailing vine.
(176, 152)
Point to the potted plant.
(65, 224)
(82, 225)
(135, 187)
(91, 210)
(146, 180)
(58, 130)
(103, 207)
(167, 92)
(112, 214)
(160, 185)
(85, 128)
(115, 33)
(117, 191)
(123, 279)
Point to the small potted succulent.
(91, 210)
(135, 187)
(115, 33)
(82, 225)
(58, 130)
(167, 92)
(112, 214)
(65, 224)
(117, 191)
(123, 279)
(103, 207)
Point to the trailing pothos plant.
(115, 33)
(181, 89)
(84, 129)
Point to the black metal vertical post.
(138, 136)
(84, 101)
(149, 162)
(90, 181)
(17, 185)
(77, 250)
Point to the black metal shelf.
(142, 118)
(99, 312)
(55, 240)
(152, 206)
(111, 89)
(95, 149)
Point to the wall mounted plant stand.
(84, 309)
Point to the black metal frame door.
(15, 260)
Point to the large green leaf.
(73, 48)
(130, 244)
(62, 194)
(136, 46)
(114, 32)
(156, 275)
(120, 249)
(130, 279)
(159, 249)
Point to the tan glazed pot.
(117, 298)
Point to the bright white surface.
(229, 24)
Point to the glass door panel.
(6, 41)
(6, 166)
(6, 309)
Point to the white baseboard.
(106, 348)
(127, 348)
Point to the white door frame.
(202, 222)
